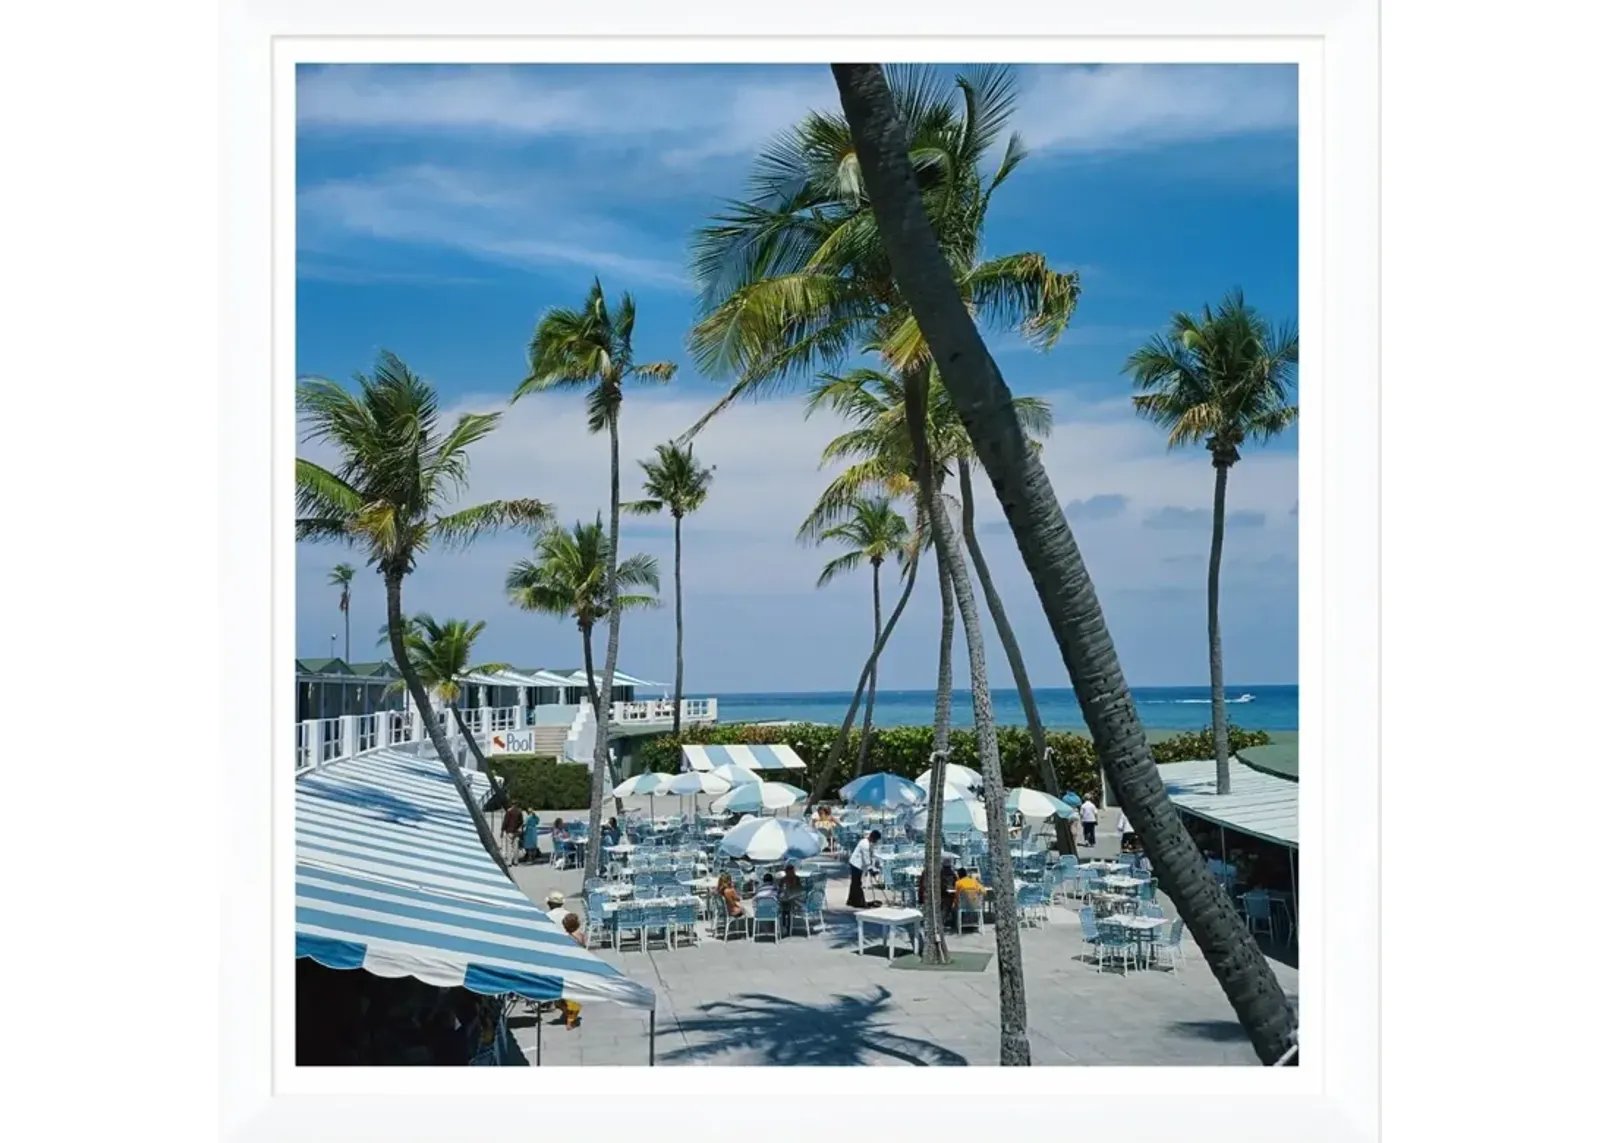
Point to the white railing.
(660, 710)
(322, 740)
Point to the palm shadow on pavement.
(842, 1032)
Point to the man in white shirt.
(1088, 815)
(861, 861)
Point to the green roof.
(322, 666)
(1279, 758)
(381, 667)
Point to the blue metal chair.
(596, 928)
(766, 913)
(685, 922)
(1033, 904)
(1169, 949)
(1258, 912)
(968, 904)
(631, 917)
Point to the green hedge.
(536, 782)
(904, 750)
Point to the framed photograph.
(552, 325)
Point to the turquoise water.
(1160, 708)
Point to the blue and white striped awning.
(390, 877)
(757, 757)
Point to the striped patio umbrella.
(643, 785)
(963, 776)
(758, 796)
(1037, 804)
(736, 775)
(888, 791)
(772, 839)
(960, 816)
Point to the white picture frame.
(1334, 1093)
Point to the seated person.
(611, 833)
(569, 1009)
(968, 890)
(791, 892)
(729, 895)
(768, 889)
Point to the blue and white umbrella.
(736, 775)
(1072, 799)
(758, 796)
(960, 816)
(888, 791)
(696, 782)
(772, 839)
(1037, 804)
(963, 776)
(642, 785)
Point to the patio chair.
(1033, 904)
(968, 904)
(594, 883)
(1108, 941)
(630, 917)
(1169, 949)
(658, 918)
(1150, 909)
(765, 913)
(812, 907)
(595, 928)
(720, 919)
(1258, 912)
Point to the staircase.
(549, 740)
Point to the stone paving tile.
(815, 1001)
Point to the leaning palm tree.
(1219, 379)
(442, 656)
(674, 482)
(391, 490)
(799, 276)
(341, 577)
(873, 533)
(592, 348)
(1052, 557)
(568, 577)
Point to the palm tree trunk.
(430, 722)
(1065, 842)
(602, 714)
(346, 610)
(837, 750)
(476, 750)
(677, 589)
(1219, 698)
(872, 680)
(1014, 1049)
(947, 637)
(588, 664)
(1051, 555)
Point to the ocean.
(1160, 708)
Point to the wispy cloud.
(1106, 506)
(1130, 106)
(1175, 519)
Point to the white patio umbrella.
(772, 839)
(697, 782)
(758, 796)
(960, 815)
(1037, 804)
(964, 776)
(643, 785)
(736, 775)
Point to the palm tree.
(1054, 561)
(874, 532)
(677, 483)
(592, 348)
(1219, 379)
(340, 577)
(567, 577)
(799, 276)
(441, 653)
(396, 468)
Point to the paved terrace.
(815, 1001)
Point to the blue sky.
(441, 210)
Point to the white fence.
(324, 740)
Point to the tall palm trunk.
(677, 591)
(872, 679)
(1014, 1049)
(947, 638)
(430, 721)
(476, 750)
(345, 607)
(1219, 698)
(1019, 671)
(1052, 557)
(837, 751)
(602, 714)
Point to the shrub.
(904, 750)
(535, 782)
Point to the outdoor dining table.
(624, 847)
(1142, 929)
(612, 906)
(889, 920)
(1099, 866)
(615, 889)
(1117, 881)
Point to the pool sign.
(511, 742)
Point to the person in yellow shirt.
(969, 891)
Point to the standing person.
(1124, 831)
(511, 833)
(530, 837)
(1088, 815)
(861, 862)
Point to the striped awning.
(757, 757)
(390, 877)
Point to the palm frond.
(468, 524)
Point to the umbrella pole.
(538, 1037)
(652, 1037)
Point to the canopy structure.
(1260, 804)
(757, 757)
(390, 877)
